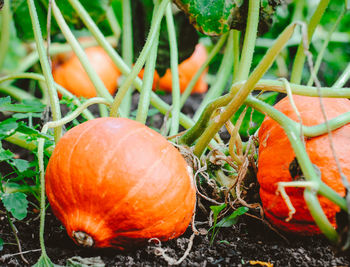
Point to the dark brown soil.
(249, 240)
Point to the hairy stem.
(80, 53)
(249, 40)
(175, 91)
(141, 59)
(243, 93)
(127, 53)
(44, 62)
(299, 60)
(324, 47)
(146, 90)
(5, 31)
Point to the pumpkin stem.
(83, 239)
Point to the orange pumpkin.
(68, 72)
(114, 182)
(187, 69)
(276, 155)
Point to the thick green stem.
(324, 47)
(344, 77)
(249, 40)
(127, 53)
(197, 129)
(236, 54)
(175, 91)
(243, 93)
(80, 53)
(15, 92)
(199, 72)
(5, 31)
(146, 90)
(299, 60)
(113, 23)
(317, 213)
(141, 59)
(222, 77)
(54, 103)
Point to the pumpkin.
(276, 157)
(68, 72)
(114, 182)
(187, 69)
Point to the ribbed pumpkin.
(68, 72)
(114, 182)
(276, 155)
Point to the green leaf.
(5, 100)
(34, 106)
(210, 17)
(44, 261)
(20, 116)
(216, 210)
(6, 155)
(96, 9)
(215, 17)
(232, 219)
(8, 127)
(16, 204)
(20, 164)
(253, 119)
(1, 244)
(32, 133)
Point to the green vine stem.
(249, 40)
(141, 59)
(41, 142)
(54, 103)
(156, 101)
(222, 77)
(80, 53)
(38, 77)
(15, 92)
(269, 85)
(243, 93)
(344, 77)
(147, 84)
(199, 72)
(324, 47)
(113, 23)
(236, 53)
(174, 66)
(299, 60)
(201, 124)
(5, 31)
(127, 53)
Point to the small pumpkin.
(114, 182)
(276, 159)
(68, 72)
(187, 69)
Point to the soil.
(249, 242)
